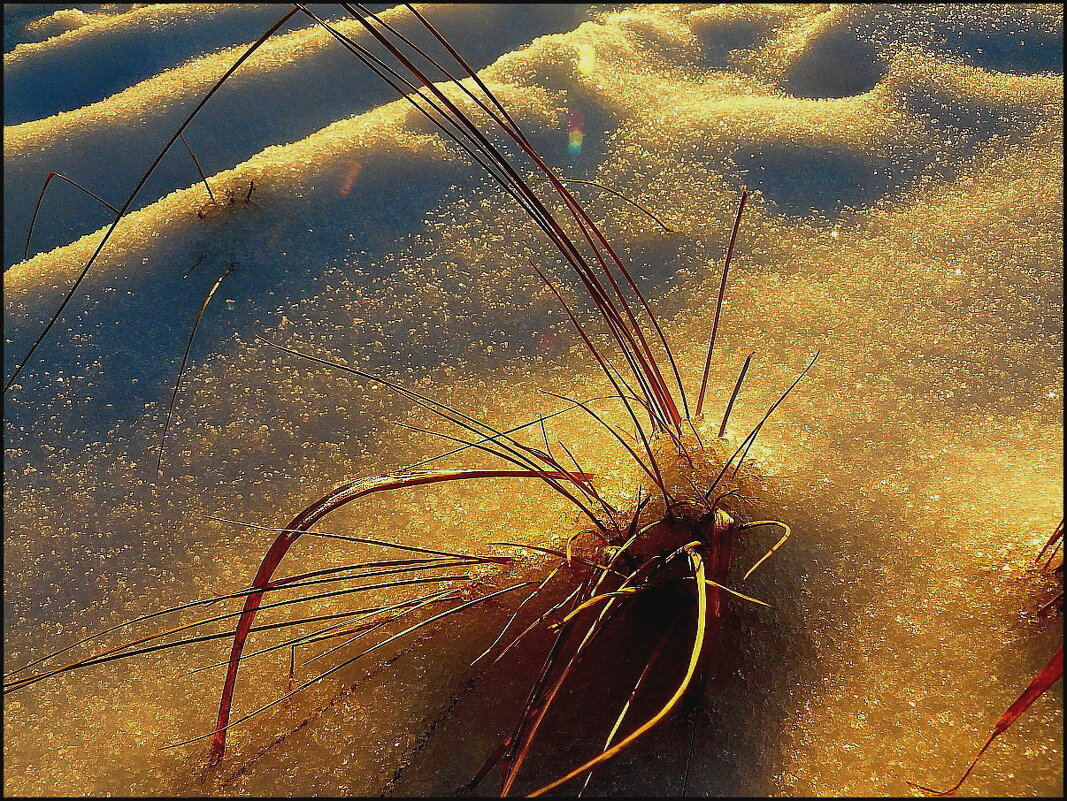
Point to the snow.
(266, 103)
(906, 215)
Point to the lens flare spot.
(349, 178)
(575, 135)
(546, 341)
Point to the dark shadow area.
(837, 64)
(718, 41)
(716, 742)
(803, 180)
(959, 115)
(1019, 52)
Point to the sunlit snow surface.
(906, 216)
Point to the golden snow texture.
(905, 219)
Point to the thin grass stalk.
(258, 593)
(137, 189)
(215, 734)
(340, 496)
(615, 192)
(657, 478)
(567, 245)
(746, 443)
(467, 422)
(719, 300)
(733, 395)
(185, 360)
(40, 199)
(694, 658)
(303, 638)
(518, 610)
(645, 672)
(199, 170)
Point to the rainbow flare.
(575, 137)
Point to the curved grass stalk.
(516, 452)
(230, 724)
(125, 207)
(617, 194)
(304, 639)
(788, 532)
(217, 598)
(518, 609)
(340, 496)
(1042, 680)
(40, 199)
(185, 360)
(740, 595)
(113, 653)
(718, 302)
(631, 340)
(733, 395)
(694, 658)
(597, 599)
(645, 673)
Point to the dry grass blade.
(516, 451)
(518, 610)
(718, 302)
(1045, 678)
(365, 540)
(617, 194)
(40, 199)
(1054, 542)
(733, 395)
(113, 653)
(215, 733)
(309, 637)
(121, 211)
(340, 496)
(645, 673)
(199, 170)
(185, 360)
(694, 658)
